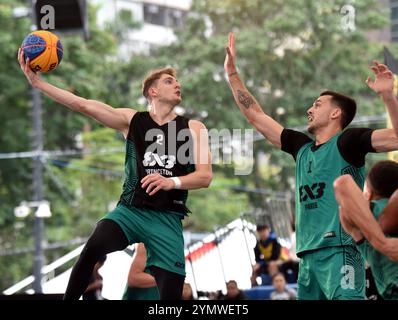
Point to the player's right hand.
(30, 75)
(229, 63)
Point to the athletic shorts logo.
(179, 265)
(330, 234)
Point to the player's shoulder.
(196, 124)
(128, 113)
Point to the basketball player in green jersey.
(328, 257)
(372, 224)
(166, 155)
(141, 285)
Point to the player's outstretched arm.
(384, 140)
(383, 85)
(247, 104)
(118, 119)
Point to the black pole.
(217, 241)
(244, 227)
(192, 270)
(37, 144)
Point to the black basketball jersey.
(151, 148)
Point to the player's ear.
(336, 113)
(368, 191)
(152, 92)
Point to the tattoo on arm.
(245, 99)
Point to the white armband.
(177, 182)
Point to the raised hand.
(229, 63)
(384, 81)
(30, 75)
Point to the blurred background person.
(141, 285)
(282, 291)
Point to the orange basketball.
(44, 50)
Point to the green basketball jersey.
(384, 271)
(317, 214)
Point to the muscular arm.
(118, 119)
(202, 176)
(137, 277)
(388, 218)
(384, 140)
(355, 213)
(247, 104)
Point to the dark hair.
(262, 227)
(102, 258)
(232, 281)
(383, 178)
(347, 105)
(277, 275)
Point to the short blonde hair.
(153, 76)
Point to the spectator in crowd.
(268, 254)
(187, 293)
(233, 292)
(282, 291)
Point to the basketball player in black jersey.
(166, 155)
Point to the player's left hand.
(155, 182)
(384, 81)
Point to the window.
(154, 14)
(164, 16)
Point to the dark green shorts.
(161, 232)
(333, 273)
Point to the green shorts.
(333, 273)
(161, 233)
